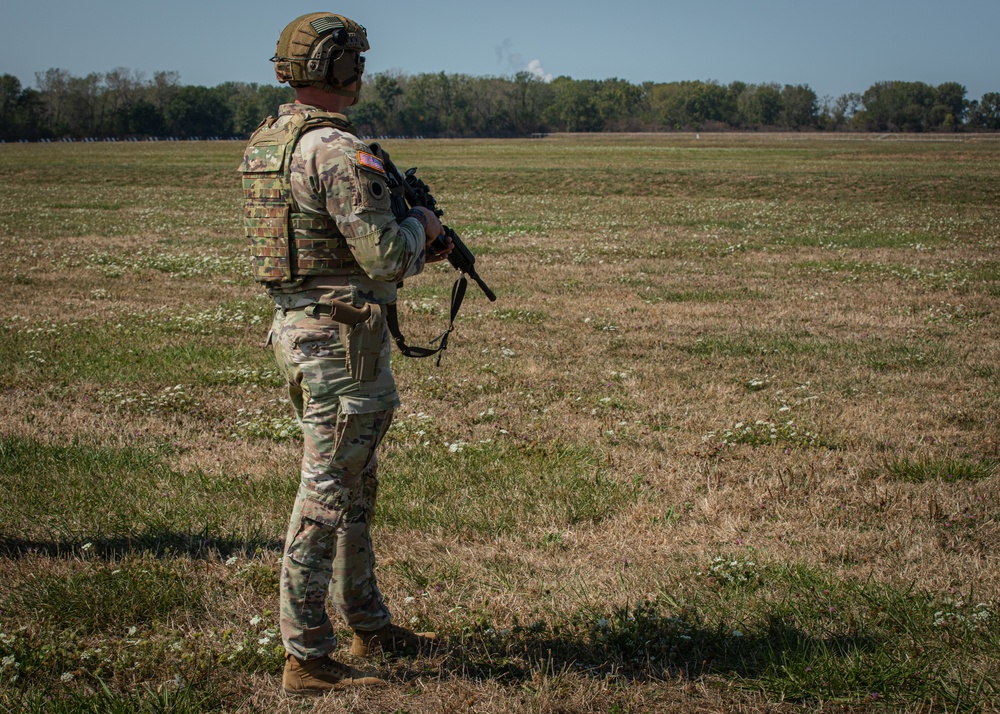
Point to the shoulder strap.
(302, 122)
(392, 320)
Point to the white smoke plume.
(513, 61)
(535, 67)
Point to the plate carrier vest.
(286, 244)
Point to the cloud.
(513, 61)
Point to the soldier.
(324, 243)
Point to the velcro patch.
(370, 161)
(325, 24)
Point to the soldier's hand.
(432, 224)
(433, 256)
(433, 231)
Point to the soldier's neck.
(326, 101)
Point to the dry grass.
(728, 439)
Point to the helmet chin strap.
(354, 94)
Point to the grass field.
(728, 441)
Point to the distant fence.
(135, 139)
(113, 139)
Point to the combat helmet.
(322, 50)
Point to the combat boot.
(391, 639)
(322, 674)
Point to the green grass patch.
(130, 352)
(101, 596)
(124, 499)
(948, 469)
(496, 488)
(897, 355)
(183, 699)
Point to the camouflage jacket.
(333, 173)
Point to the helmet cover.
(322, 50)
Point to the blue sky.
(835, 46)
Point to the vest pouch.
(363, 344)
(267, 206)
(267, 234)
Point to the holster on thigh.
(363, 344)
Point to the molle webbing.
(314, 253)
(285, 243)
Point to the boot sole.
(333, 688)
(313, 691)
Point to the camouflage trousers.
(328, 549)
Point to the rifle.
(407, 192)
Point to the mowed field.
(728, 440)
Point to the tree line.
(126, 104)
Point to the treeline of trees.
(124, 103)
(460, 105)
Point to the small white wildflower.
(232, 560)
(409, 600)
(86, 547)
(737, 633)
(67, 677)
(255, 620)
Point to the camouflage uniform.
(328, 548)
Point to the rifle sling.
(392, 320)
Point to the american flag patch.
(371, 161)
